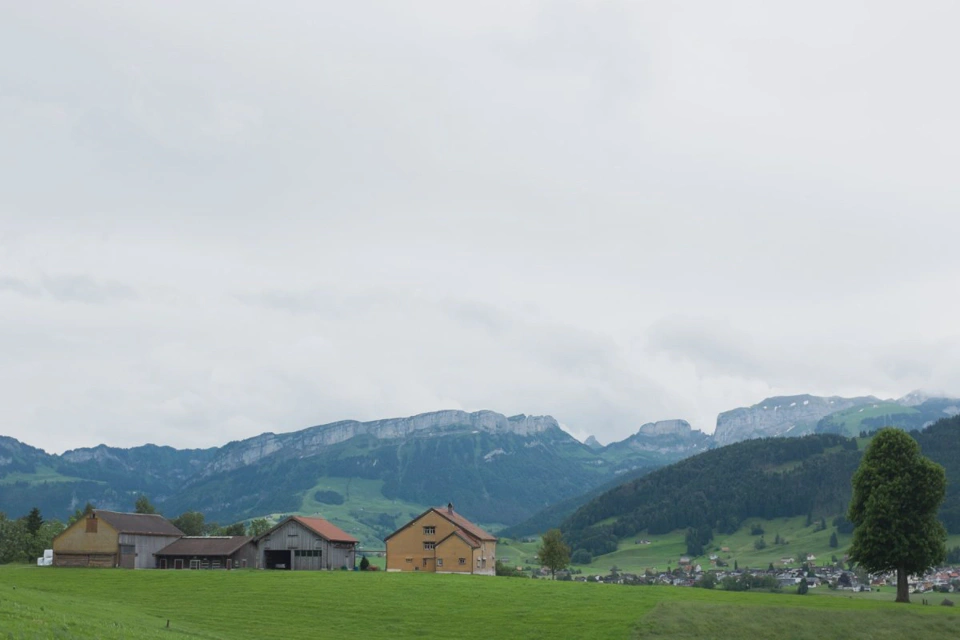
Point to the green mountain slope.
(770, 478)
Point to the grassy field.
(851, 420)
(665, 550)
(111, 604)
(41, 475)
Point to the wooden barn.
(208, 552)
(300, 543)
(110, 539)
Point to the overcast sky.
(223, 218)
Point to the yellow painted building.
(440, 540)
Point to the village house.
(208, 552)
(110, 539)
(440, 540)
(303, 543)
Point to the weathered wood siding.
(85, 544)
(144, 547)
(294, 536)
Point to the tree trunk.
(903, 588)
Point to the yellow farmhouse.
(440, 540)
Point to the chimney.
(449, 507)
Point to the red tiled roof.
(326, 529)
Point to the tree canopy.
(553, 553)
(896, 495)
(144, 505)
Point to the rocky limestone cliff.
(668, 436)
(310, 441)
(666, 427)
(780, 416)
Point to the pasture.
(112, 604)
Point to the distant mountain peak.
(781, 416)
(593, 443)
(665, 427)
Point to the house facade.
(112, 539)
(208, 552)
(303, 543)
(440, 540)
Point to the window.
(429, 546)
(439, 562)
(307, 553)
(429, 531)
(478, 563)
(463, 561)
(409, 559)
(194, 564)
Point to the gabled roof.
(204, 546)
(319, 526)
(150, 524)
(454, 517)
(463, 535)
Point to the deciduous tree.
(143, 505)
(553, 553)
(896, 495)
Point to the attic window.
(429, 531)
(428, 546)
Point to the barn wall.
(293, 535)
(247, 552)
(76, 546)
(145, 547)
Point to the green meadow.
(40, 603)
(665, 550)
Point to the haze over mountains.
(501, 470)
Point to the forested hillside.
(767, 478)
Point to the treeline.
(767, 478)
(718, 489)
(24, 539)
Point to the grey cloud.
(612, 212)
(16, 285)
(87, 290)
(73, 288)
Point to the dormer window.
(429, 531)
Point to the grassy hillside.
(665, 550)
(716, 492)
(851, 422)
(114, 604)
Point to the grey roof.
(141, 523)
(204, 546)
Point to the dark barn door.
(278, 559)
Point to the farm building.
(303, 544)
(208, 552)
(440, 540)
(110, 539)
